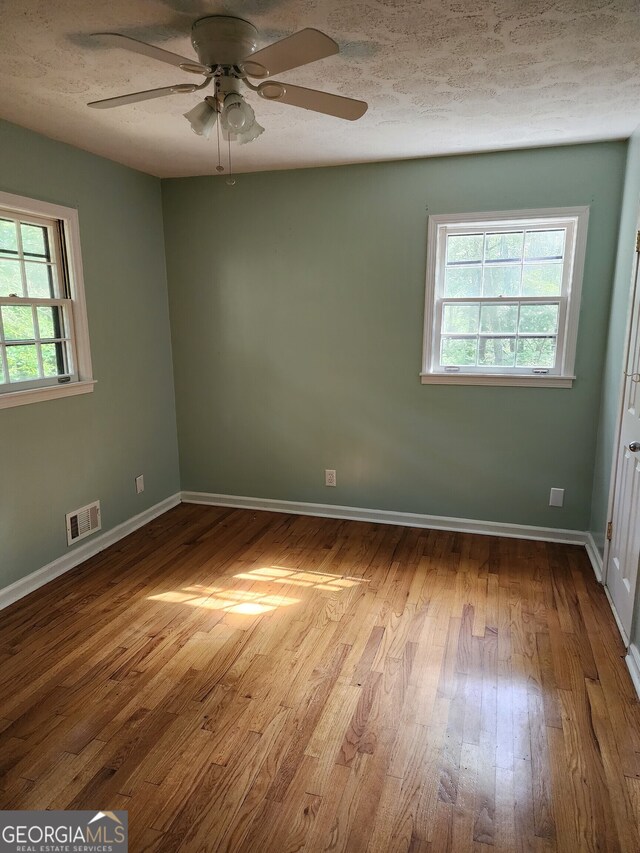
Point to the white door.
(623, 553)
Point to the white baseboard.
(597, 564)
(621, 629)
(633, 665)
(435, 522)
(69, 561)
(380, 516)
(594, 557)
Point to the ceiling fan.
(227, 57)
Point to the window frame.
(440, 226)
(68, 262)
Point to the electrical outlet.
(329, 477)
(556, 497)
(140, 484)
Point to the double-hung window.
(503, 297)
(44, 346)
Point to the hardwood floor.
(246, 681)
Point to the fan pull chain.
(230, 179)
(219, 167)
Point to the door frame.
(633, 299)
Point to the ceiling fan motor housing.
(222, 40)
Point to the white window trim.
(71, 228)
(565, 378)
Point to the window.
(44, 344)
(503, 297)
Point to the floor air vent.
(83, 522)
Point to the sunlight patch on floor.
(231, 600)
(295, 577)
(254, 602)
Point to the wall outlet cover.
(329, 477)
(140, 484)
(556, 497)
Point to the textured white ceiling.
(440, 76)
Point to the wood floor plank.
(626, 829)
(243, 681)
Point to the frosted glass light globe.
(237, 117)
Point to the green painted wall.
(60, 454)
(615, 343)
(296, 304)
(296, 311)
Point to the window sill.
(49, 392)
(494, 379)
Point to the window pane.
(40, 282)
(456, 352)
(501, 281)
(464, 248)
(23, 363)
(8, 238)
(17, 322)
(499, 318)
(10, 278)
(460, 318)
(462, 281)
(544, 244)
(539, 319)
(497, 351)
(536, 352)
(50, 322)
(541, 279)
(504, 247)
(53, 359)
(35, 241)
(3, 378)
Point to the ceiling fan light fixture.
(237, 115)
(202, 119)
(249, 135)
(238, 119)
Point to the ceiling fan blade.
(134, 97)
(128, 43)
(298, 49)
(313, 99)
